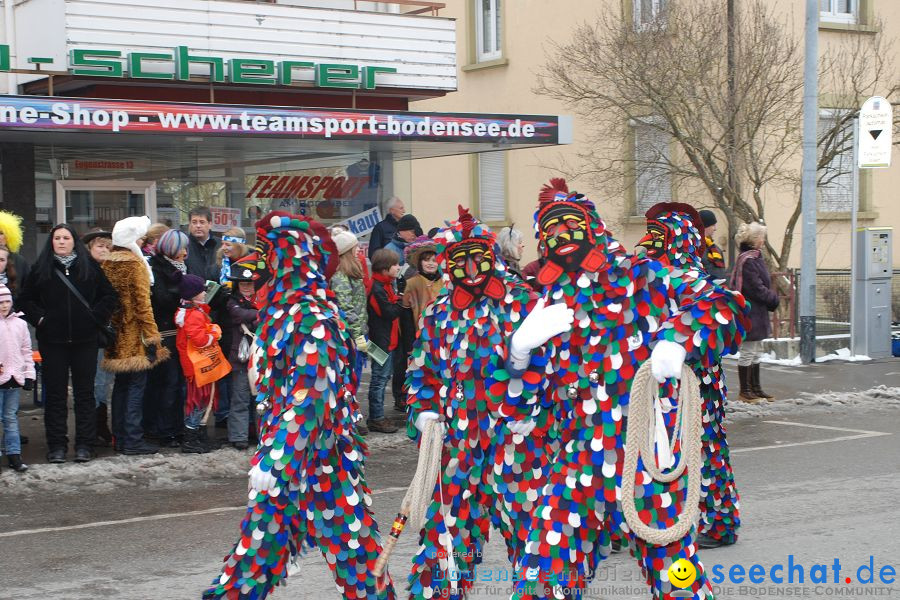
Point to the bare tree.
(672, 76)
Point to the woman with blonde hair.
(234, 248)
(751, 277)
(148, 248)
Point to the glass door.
(86, 204)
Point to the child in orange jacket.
(194, 324)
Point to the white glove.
(424, 418)
(262, 481)
(522, 427)
(666, 360)
(362, 344)
(541, 324)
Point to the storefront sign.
(306, 186)
(88, 62)
(224, 218)
(34, 113)
(363, 223)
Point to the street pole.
(808, 192)
(854, 210)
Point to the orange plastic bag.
(209, 363)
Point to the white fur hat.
(128, 231)
(344, 240)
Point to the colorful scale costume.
(308, 440)
(675, 237)
(622, 305)
(489, 476)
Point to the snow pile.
(843, 354)
(881, 397)
(769, 358)
(156, 471)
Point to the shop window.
(835, 189)
(648, 12)
(492, 187)
(488, 32)
(652, 177)
(839, 11)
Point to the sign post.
(872, 145)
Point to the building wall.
(529, 28)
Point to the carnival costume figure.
(491, 472)
(307, 486)
(675, 237)
(624, 306)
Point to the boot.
(755, 386)
(192, 443)
(382, 425)
(104, 435)
(747, 394)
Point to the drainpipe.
(9, 19)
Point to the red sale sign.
(224, 218)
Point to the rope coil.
(640, 442)
(418, 496)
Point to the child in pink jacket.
(16, 370)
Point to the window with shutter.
(835, 191)
(653, 181)
(492, 187)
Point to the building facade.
(504, 44)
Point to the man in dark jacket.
(713, 258)
(201, 258)
(384, 232)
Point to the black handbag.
(106, 334)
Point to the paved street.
(818, 477)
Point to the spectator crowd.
(155, 326)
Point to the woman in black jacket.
(163, 400)
(67, 332)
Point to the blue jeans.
(224, 405)
(9, 404)
(380, 376)
(128, 407)
(102, 381)
(239, 415)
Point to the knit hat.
(171, 243)
(344, 240)
(190, 286)
(128, 231)
(5, 294)
(409, 223)
(708, 217)
(11, 227)
(417, 247)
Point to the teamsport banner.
(37, 113)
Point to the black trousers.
(58, 361)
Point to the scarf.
(177, 264)
(388, 282)
(737, 275)
(66, 261)
(431, 276)
(226, 270)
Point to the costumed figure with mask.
(491, 470)
(307, 485)
(676, 237)
(626, 309)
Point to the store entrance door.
(86, 204)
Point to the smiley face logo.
(682, 573)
